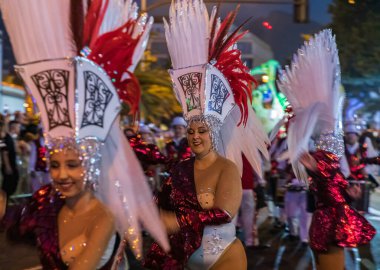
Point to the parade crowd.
(287, 200)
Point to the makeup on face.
(67, 172)
(198, 135)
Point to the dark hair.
(12, 123)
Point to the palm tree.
(158, 102)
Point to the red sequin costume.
(38, 220)
(148, 154)
(334, 221)
(178, 194)
(41, 157)
(178, 152)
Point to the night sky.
(284, 38)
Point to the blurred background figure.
(277, 178)
(177, 148)
(8, 159)
(37, 170)
(149, 155)
(356, 169)
(298, 218)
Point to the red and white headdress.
(77, 62)
(210, 80)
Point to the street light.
(143, 6)
(301, 11)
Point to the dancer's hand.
(354, 191)
(170, 221)
(308, 161)
(3, 204)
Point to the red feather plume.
(113, 51)
(94, 19)
(229, 62)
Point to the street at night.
(282, 253)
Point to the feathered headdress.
(210, 80)
(77, 96)
(311, 86)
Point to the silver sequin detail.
(331, 141)
(88, 149)
(212, 123)
(215, 247)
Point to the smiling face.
(199, 137)
(67, 172)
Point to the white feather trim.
(250, 140)
(311, 85)
(124, 189)
(36, 38)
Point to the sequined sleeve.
(197, 219)
(327, 164)
(21, 221)
(328, 174)
(162, 198)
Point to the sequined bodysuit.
(334, 221)
(179, 195)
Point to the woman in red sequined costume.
(212, 188)
(335, 223)
(204, 193)
(312, 88)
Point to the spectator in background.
(37, 169)
(178, 148)
(8, 159)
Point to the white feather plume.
(36, 38)
(311, 86)
(250, 140)
(188, 32)
(118, 12)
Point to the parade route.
(283, 253)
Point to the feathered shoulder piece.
(312, 86)
(210, 80)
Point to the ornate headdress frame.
(210, 80)
(208, 75)
(78, 104)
